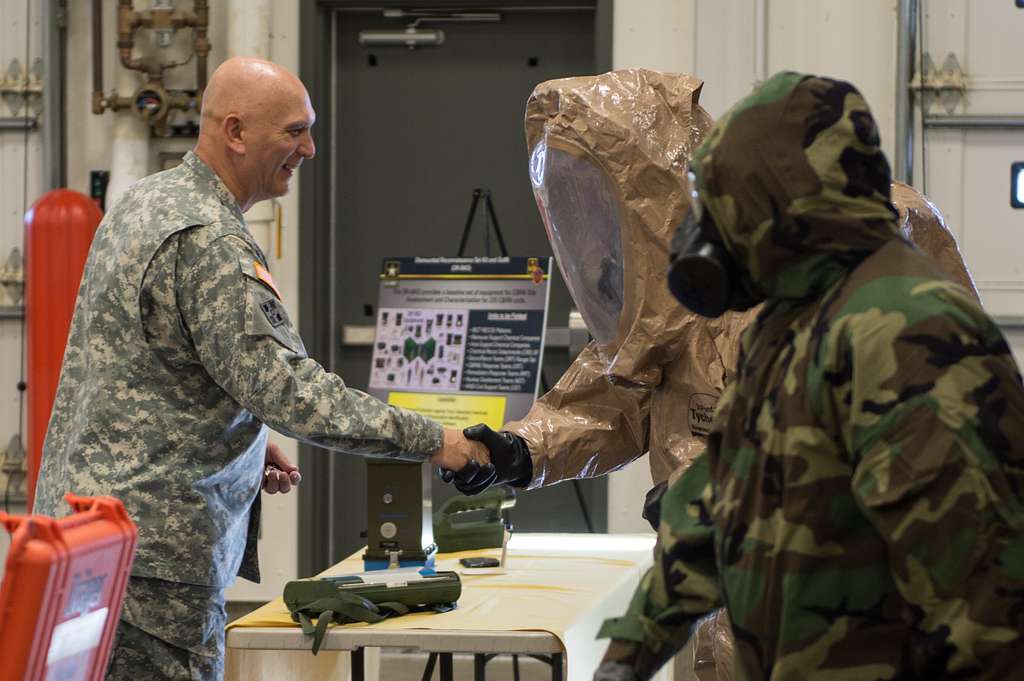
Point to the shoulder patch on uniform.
(264, 275)
(274, 312)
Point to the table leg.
(556, 667)
(358, 665)
(428, 672)
(447, 672)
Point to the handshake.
(477, 457)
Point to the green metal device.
(467, 523)
(432, 589)
(368, 597)
(399, 531)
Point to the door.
(415, 132)
(973, 137)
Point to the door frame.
(316, 252)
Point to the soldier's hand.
(457, 452)
(279, 474)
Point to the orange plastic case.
(62, 591)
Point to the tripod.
(491, 220)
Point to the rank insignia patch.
(274, 312)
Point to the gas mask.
(701, 273)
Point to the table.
(548, 602)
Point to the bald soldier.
(180, 357)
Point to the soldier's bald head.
(249, 87)
(254, 127)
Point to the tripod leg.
(469, 222)
(494, 221)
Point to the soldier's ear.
(232, 127)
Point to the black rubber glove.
(510, 462)
(472, 479)
(652, 504)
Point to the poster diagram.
(419, 348)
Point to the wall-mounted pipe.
(151, 101)
(760, 40)
(97, 56)
(127, 21)
(201, 10)
(248, 28)
(906, 48)
(19, 123)
(248, 35)
(976, 122)
(129, 159)
(55, 23)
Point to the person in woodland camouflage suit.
(180, 356)
(858, 510)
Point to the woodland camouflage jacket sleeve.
(246, 342)
(933, 414)
(682, 586)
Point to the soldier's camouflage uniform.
(180, 355)
(858, 510)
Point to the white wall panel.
(729, 43)
(654, 34)
(855, 41)
(967, 172)
(21, 182)
(16, 188)
(992, 239)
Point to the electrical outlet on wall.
(13, 472)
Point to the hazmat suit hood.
(796, 183)
(921, 223)
(608, 156)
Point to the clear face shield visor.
(581, 214)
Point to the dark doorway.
(412, 132)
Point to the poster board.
(461, 339)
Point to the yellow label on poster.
(454, 411)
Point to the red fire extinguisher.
(58, 233)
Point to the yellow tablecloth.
(562, 584)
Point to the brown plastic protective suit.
(652, 387)
(922, 223)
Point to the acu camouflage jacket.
(859, 509)
(180, 355)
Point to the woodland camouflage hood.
(795, 179)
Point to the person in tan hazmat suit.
(608, 155)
